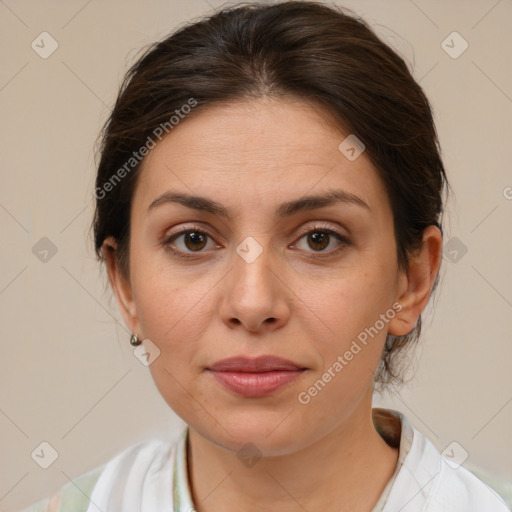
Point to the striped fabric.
(72, 497)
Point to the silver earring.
(134, 340)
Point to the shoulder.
(500, 484)
(75, 496)
(72, 496)
(446, 485)
(458, 489)
(426, 480)
(142, 459)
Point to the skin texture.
(299, 300)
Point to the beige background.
(68, 373)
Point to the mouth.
(253, 378)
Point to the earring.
(134, 340)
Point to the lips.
(257, 377)
(256, 365)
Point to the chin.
(265, 432)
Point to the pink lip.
(255, 377)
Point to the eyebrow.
(287, 209)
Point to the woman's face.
(264, 273)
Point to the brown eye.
(187, 242)
(318, 240)
(195, 240)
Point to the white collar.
(152, 476)
(391, 425)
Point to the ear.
(120, 284)
(416, 283)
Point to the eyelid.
(304, 230)
(320, 225)
(343, 240)
(168, 237)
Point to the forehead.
(257, 152)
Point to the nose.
(255, 296)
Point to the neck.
(346, 470)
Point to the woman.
(268, 206)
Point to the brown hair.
(296, 48)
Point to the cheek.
(170, 314)
(358, 297)
(174, 316)
(351, 356)
(165, 301)
(357, 308)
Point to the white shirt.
(151, 476)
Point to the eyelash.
(315, 229)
